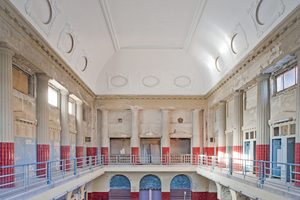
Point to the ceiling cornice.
(194, 24)
(151, 97)
(109, 23)
(19, 22)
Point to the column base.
(43, 155)
(196, 153)
(104, 155)
(7, 158)
(65, 154)
(135, 151)
(237, 156)
(262, 153)
(79, 155)
(165, 155)
(134, 196)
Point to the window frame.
(293, 66)
(50, 86)
(72, 101)
(30, 80)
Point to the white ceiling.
(154, 47)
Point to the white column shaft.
(297, 54)
(6, 94)
(222, 124)
(104, 128)
(135, 140)
(79, 121)
(238, 119)
(64, 119)
(165, 128)
(42, 109)
(196, 128)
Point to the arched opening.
(150, 188)
(180, 188)
(119, 188)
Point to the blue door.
(290, 155)
(276, 148)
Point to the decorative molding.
(68, 30)
(110, 25)
(146, 77)
(253, 11)
(86, 55)
(194, 24)
(119, 135)
(262, 47)
(218, 68)
(27, 31)
(150, 135)
(112, 81)
(181, 134)
(177, 78)
(46, 27)
(238, 30)
(26, 121)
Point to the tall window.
(287, 79)
(52, 96)
(71, 108)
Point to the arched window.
(180, 187)
(119, 188)
(150, 182)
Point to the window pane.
(276, 131)
(70, 108)
(289, 78)
(284, 130)
(279, 81)
(247, 135)
(251, 135)
(293, 129)
(296, 74)
(52, 96)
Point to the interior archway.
(150, 188)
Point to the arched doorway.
(119, 188)
(150, 188)
(180, 188)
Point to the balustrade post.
(75, 166)
(48, 168)
(90, 163)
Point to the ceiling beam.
(194, 24)
(109, 23)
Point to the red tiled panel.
(92, 151)
(98, 196)
(165, 196)
(166, 155)
(297, 161)
(7, 157)
(79, 154)
(262, 153)
(135, 152)
(196, 152)
(237, 154)
(210, 151)
(104, 155)
(212, 196)
(65, 154)
(135, 196)
(199, 195)
(43, 154)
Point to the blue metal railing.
(32, 175)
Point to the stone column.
(42, 128)
(79, 136)
(237, 131)
(165, 142)
(197, 137)
(222, 128)
(263, 116)
(135, 140)
(104, 136)
(297, 142)
(7, 149)
(65, 128)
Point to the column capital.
(166, 109)
(297, 54)
(4, 47)
(79, 103)
(64, 92)
(196, 110)
(42, 76)
(135, 108)
(238, 92)
(262, 77)
(222, 102)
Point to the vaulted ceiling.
(171, 47)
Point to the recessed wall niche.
(220, 64)
(67, 41)
(118, 81)
(264, 13)
(150, 81)
(183, 81)
(239, 43)
(43, 12)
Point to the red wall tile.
(65, 154)
(165, 196)
(297, 161)
(43, 154)
(135, 195)
(165, 154)
(79, 154)
(196, 152)
(7, 157)
(135, 151)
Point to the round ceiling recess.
(150, 81)
(238, 43)
(182, 81)
(118, 81)
(82, 63)
(265, 10)
(42, 10)
(67, 42)
(220, 64)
